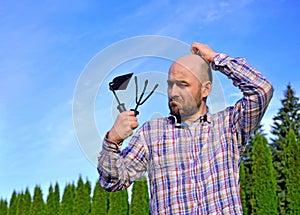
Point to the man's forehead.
(181, 76)
(179, 70)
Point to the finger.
(125, 116)
(195, 47)
(132, 119)
(134, 125)
(194, 51)
(133, 122)
(130, 113)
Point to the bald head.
(195, 64)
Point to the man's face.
(184, 91)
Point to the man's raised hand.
(123, 126)
(205, 51)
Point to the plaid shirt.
(192, 169)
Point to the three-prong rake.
(121, 83)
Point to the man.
(192, 158)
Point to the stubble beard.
(182, 112)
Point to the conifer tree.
(56, 200)
(26, 202)
(38, 205)
(13, 204)
(243, 188)
(247, 169)
(81, 204)
(49, 205)
(246, 161)
(264, 199)
(67, 201)
(99, 200)
(3, 207)
(20, 204)
(118, 203)
(140, 198)
(53, 201)
(288, 117)
(292, 173)
(87, 194)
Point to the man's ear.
(206, 89)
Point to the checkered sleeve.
(118, 169)
(257, 93)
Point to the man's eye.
(182, 84)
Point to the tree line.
(269, 179)
(270, 171)
(78, 200)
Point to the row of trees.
(78, 200)
(270, 172)
(270, 179)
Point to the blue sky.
(46, 45)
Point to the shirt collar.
(202, 119)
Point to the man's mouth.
(174, 103)
(174, 106)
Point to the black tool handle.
(135, 112)
(121, 107)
